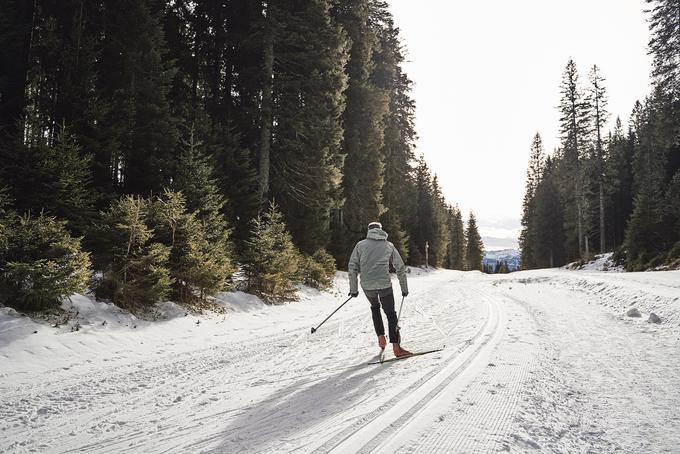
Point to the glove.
(404, 294)
(353, 294)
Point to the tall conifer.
(474, 251)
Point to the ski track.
(542, 362)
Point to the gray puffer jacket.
(371, 259)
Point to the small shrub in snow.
(40, 263)
(318, 270)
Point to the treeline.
(175, 142)
(611, 190)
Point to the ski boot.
(399, 352)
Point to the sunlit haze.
(487, 78)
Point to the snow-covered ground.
(601, 262)
(533, 361)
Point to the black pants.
(385, 298)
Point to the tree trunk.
(579, 224)
(267, 112)
(602, 228)
(14, 60)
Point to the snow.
(544, 360)
(602, 262)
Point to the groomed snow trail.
(541, 361)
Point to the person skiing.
(371, 259)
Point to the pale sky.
(487, 77)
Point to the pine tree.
(200, 254)
(195, 179)
(439, 242)
(619, 183)
(137, 133)
(41, 262)
(55, 178)
(642, 235)
(664, 44)
(398, 191)
(575, 131)
(136, 273)
(367, 105)
(597, 100)
(527, 237)
(16, 27)
(457, 246)
(318, 269)
(671, 218)
(237, 177)
(548, 224)
(306, 148)
(474, 252)
(422, 227)
(271, 262)
(645, 237)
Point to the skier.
(371, 258)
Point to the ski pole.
(400, 306)
(399, 318)
(347, 301)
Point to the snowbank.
(602, 262)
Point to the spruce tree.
(457, 245)
(398, 192)
(317, 270)
(619, 183)
(16, 31)
(422, 228)
(135, 267)
(474, 251)
(671, 217)
(271, 261)
(195, 179)
(237, 178)
(664, 44)
(440, 235)
(200, 254)
(367, 104)
(55, 178)
(527, 238)
(306, 148)
(137, 133)
(575, 131)
(597, 100)
(548, 221)
(41, 262)
(645, 237)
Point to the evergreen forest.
(171, 149)
(612, 190)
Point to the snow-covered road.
(534, 361)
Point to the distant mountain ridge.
(511, 257)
